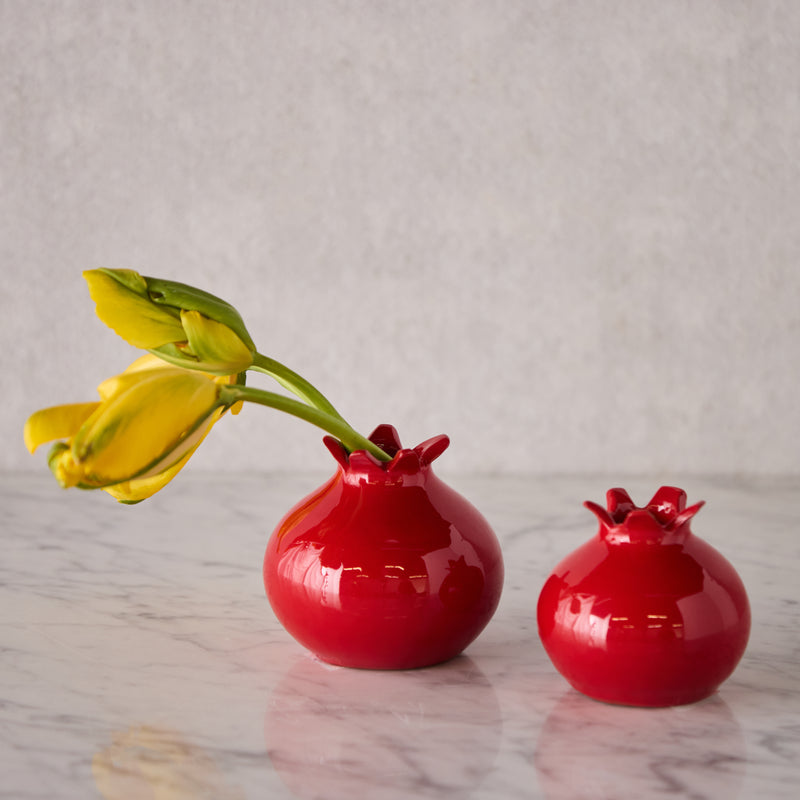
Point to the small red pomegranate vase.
(645, 613)
(384, 566)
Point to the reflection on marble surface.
(698, 750)
(139, 654)
(146, 762)
(433, 732)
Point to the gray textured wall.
(565, 233)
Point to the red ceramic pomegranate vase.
(645, 613)
(384, 566)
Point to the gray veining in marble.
(139, 658)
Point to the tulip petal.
(146, 362)
(218, 349)
(138, 489)
(118, 383)
(122, 303)
(176, 295)
(62, 464)
(143, 424)
(56, 422)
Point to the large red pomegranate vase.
(384, 566)
(645, 613)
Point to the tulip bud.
(182, 325)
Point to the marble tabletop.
(140, 659)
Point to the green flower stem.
(334, 425)
(295, 383)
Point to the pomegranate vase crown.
(404, 461)
(665, 518)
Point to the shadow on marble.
(588, 749)
(338, 733)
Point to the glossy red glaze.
(645, 613)
(385, 566)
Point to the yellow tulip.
(148, 422)
(183, 325)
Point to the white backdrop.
(565, 233)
